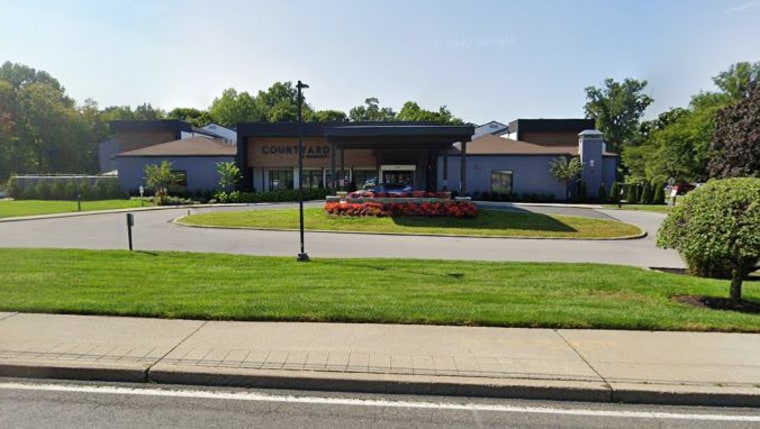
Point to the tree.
(194, 116)
(738, 79)
(233, 108)
(617, 108)
(326, 116)
(736, 142)
(566, 169)
(412, 112)
(371, 112)
(146, 112)
(229, 175)
(279, 103)
(158, 177)
(715, 229)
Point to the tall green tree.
(325, 116)
(371, 111)
(232, 108)
(279, 103)
(146, 112)
(738, 79)
(617, 108)
(192, 115)
(412, 112)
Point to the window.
(313, 179)
(179, 184)
(501, 181)
(280, 179)
(362, 176)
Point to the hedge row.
(283, 195)
(68, 189)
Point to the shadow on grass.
(490, 219)
(379, 267)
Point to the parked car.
(391, 188)
(683, 188)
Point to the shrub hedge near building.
(55, 188)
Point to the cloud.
(740, 8)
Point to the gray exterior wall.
(201, 170)
(530, 174)
(610, 171)
(591, 153)
(106, 151)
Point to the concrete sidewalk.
(583, 365)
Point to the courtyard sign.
(308, 152)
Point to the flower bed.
(433, 208)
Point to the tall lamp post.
(303, 256)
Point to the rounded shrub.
(716, 229)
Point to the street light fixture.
(303, 256)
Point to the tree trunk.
(737, 276)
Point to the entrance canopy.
(417, 144)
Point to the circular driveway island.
(155, 230)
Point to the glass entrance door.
(398, 177)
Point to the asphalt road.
(154, 230)
(40, 404)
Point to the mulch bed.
(714, 303)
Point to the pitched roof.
(495, 145)
(194, 146)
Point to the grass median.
(14, 208)
(233, 287)
(657, 208)
(487, 223)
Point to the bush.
(659, 193)
(13, 187)
(630, 194)
(583, 193)
(69, 191)
(601, 194)
(614, 192)
(646, 194)
(715, 229)
(42, 190)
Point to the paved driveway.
(154, 231)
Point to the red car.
(683, 188)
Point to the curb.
(641, 234)
(128, 373)
(515, 388)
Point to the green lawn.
(11, 208)
(215, 286)
(659, 208)
(487, 223)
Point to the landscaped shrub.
(42, 190)
(659, 193)
(601, 194)
(614, 192)
(69, 191)
(646, 194)
(583, 193)
(630, 194)
(716, 229)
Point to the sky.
(485, 60)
